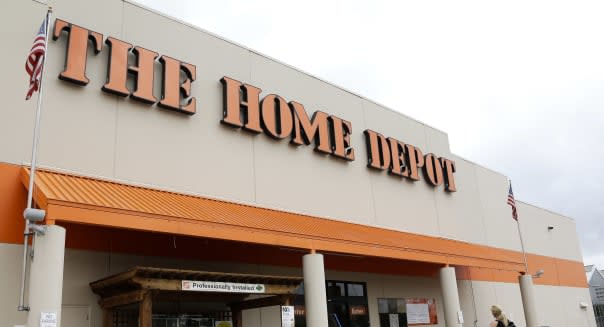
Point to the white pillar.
(448, 284)
(315, 297)
(527, 291)
(46, 275)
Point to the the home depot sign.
(243, 106)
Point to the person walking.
(500, 319)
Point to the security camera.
(538, 273)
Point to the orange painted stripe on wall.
(556, 271)
(13, 198)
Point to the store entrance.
(209, 319)
(158, 297)
(207, 311)
(177, 311)
(347, 305)
(183, 321)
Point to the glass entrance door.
(338, 313)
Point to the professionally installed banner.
(207, 286)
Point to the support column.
(145, 311)
(448, 284)
(107, 317)
(46, 275)
(315, 296)
(237, 318)
(527, 291)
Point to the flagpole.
(515, 215)
(522, 245)
(32, 171)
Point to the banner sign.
(417, 313)
(207, 286)
(421, 311)
(287, 316)
(48, 319)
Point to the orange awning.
(85, 200)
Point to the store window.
(346, 304)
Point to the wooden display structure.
(142, 285)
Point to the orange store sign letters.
(243, 106)
(175, 92)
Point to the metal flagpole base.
(38, 229)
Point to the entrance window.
(346, 304)
(356, 289)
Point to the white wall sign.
(417, 313)
(460, 317)
(48, 319)
(287, 316)
(393, 317)
(205, 286)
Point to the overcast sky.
(517, 85)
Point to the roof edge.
(195, 27)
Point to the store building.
(189, 180)
(595, 280)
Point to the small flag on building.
(35, 60)
(512, 203)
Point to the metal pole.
(515, 215)
(32, 172)
(34, 151)
(522, 245)
(22, 306)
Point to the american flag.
(35, 60)
(512, 203)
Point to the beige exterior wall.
(263, 317)
(11, 257)
(88, 131)
(477, 297)
(561, 242)
(557, 306)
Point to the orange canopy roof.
(92, 201)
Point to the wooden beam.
(219, 276)
(98, 286)
(186, 296)
(158, 284)
(145, 311)
(122, 299)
